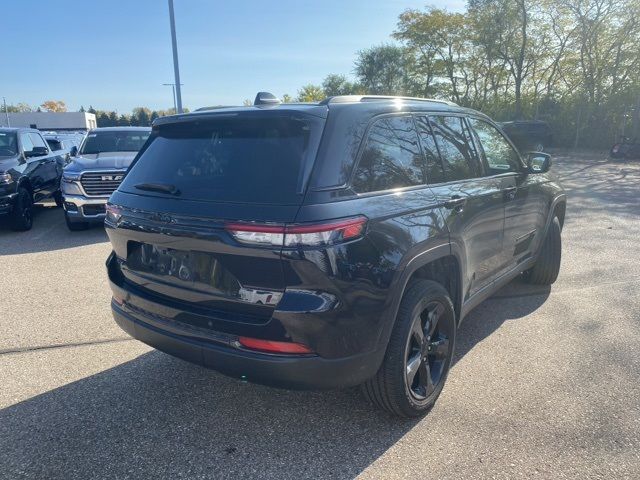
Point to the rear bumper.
(79, 208)
(286, 371)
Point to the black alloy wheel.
(428, 349)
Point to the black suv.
(29, 172)
(528, 135)
(329, 244)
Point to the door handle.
(510, 192)
(455, 203)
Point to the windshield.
(97, 142)
(239, 159)
(8, 144)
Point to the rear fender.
(401, 281)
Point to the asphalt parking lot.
(546, 382)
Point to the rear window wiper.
(158, 187)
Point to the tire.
(547, 266)
(75, 226)
(57, 197)
(21, 217)
(411, 392)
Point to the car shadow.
(49, 232)
(157, 416)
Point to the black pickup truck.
(29, 172)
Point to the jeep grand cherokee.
(328, 244)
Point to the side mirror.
(36, 152)
(74, 151)
(538, 162)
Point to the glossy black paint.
(340, 300)
(40, 174)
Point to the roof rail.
(373, 98)
(215, 107)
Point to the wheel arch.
(557, 208)
(24, 182)
(438, 263)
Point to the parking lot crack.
(8, 351)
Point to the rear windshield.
(114, 141)
(247, 159)
(54, 145)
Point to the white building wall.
(50, 120)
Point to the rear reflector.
(305, 235)
(273, 347)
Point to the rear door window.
(233, 158)
(457, 152)
(391, 157)
(435, 174)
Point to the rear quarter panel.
(365, 274)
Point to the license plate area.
(184, 268)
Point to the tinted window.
(114, 141)
(8, 145)
(430, 151)
(391, 157)
(500, 155)
(54, 145)
(37, 140)
(238, 159)
(456, 151)
(25, 140)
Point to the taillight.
(113, 213)
(299, 235)
(271, 346)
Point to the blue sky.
(116, 54)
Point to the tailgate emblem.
(112, 178)
(159, 217)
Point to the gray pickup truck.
(96, 170)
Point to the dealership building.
(58, 121)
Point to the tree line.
(139, 116)
(573, 63)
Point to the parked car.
(627, 148)
(63, 144)
(529, 135)
(29, 172)
(372, 224)
(96, 170)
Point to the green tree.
(141, 116)
(382, 70)
(19, 108)
(123, 121)
(311, 93)
(102, 119)
(335, 84)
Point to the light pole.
(173, 87)
(176, 68)
(6, 113)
